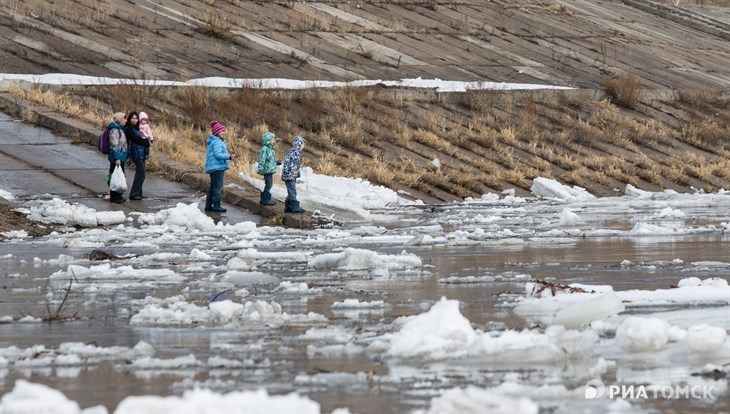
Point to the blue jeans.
(291, 190)
(215, 191)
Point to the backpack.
(104, 146)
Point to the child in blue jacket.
(216, 164)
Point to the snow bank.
(275, 83)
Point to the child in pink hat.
(216, 164)
(144, 127)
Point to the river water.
(480, 253)
(453, 242)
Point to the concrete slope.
(568, 42)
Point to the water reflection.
(485, 268)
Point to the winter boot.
(287, 206)
(295, 207)
(217, 208)
(266, 199)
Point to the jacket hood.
(268, 137)
(298, 142)
(143, 115)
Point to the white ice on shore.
(347, 198)
(189, 218)
(59, 211)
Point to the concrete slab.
(9, 163)
(58, 156)
(35, 162)
(33, 182)
(13, 131)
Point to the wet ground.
(525, 243)
(34, 162)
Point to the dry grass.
(480, 100)
(61, 102)
(214, 25)
(194, 102)
(390, 140)
(624, 90)
(706, 133)
(702, 99)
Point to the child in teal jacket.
(267, 167)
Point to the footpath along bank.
(81, 133)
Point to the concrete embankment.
(82, 133)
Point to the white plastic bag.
(118, 182)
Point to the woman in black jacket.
(139, 152)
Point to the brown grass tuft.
(624, 90)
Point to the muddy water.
(282, 364)
(510, 249)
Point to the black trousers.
(139, 176)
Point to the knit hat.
(217, 127)
(143, 115)
(268, 136)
